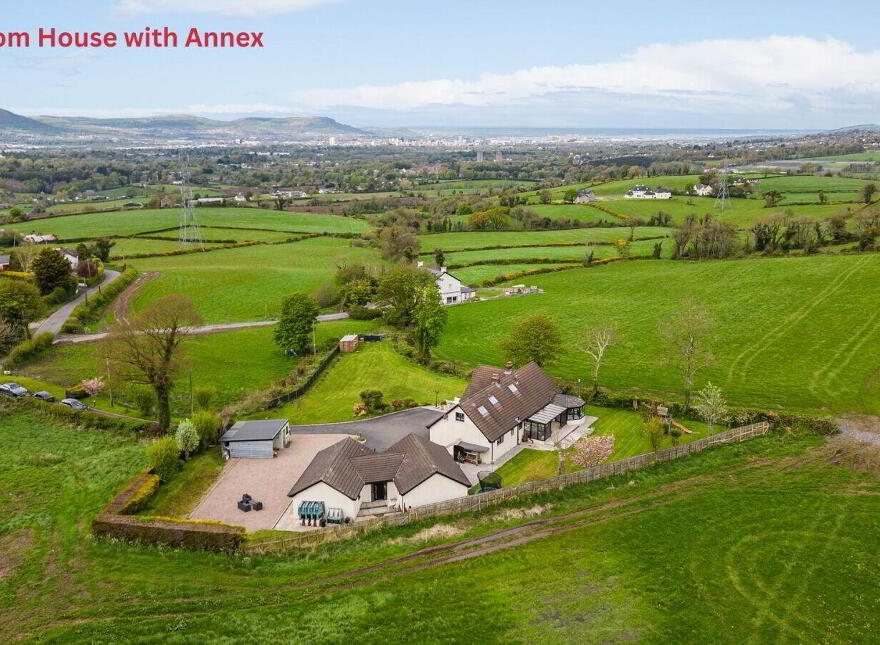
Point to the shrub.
(144, 399)
(326, 295)
(373, 400)
(29, 349)
(86, 313)
(85, 419)
(73, 325)
(140, 496)
(93, 386)
(207, 426)
(359, 312)
(204, 396)
(163, 456)
(187, 438)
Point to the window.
(499, 441)
(459, 416)
(512, 388)
(493, 400)
(483, 411)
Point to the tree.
(653, 431)
(207, 426)
(399, 243)
(439, 257)
(20, 304)
(299, 313)
(187, 438)
(772, 198)
(868, 192)
(711, 405)
(687, 337)
(399, 291)
(163, 456)
(622, 247)
(429, 319)
(597, 344)
(146, 349)
(101, 249)
(280, 202)
(569, 196)
(823, 198)
(535, 338)
(544, 196)
(592, 451)
(51, 271)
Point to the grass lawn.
(475, 240)
(695, 551)
(248, 283)
(179, 496)
(374, 366)
(576, 212)
(789, 332)
(477, 274)
(576, 253)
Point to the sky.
(512, 63)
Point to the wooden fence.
(493, 498)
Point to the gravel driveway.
(266, 480)
(381, 432)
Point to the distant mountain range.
(162, 129)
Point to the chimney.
(442, 269)
(496, 376)
(508, 368)
(420, 264)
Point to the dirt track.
(121, 304)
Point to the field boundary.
(482, 501)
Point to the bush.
(86, 313)
(204, 396)
(140, 497)
(73, 325)
(207, 426)
(85, 419)
(144, 400)
(60, 294)
(163, 456)
(327, 295)
(187, 438)
(29, 349)
(373, 400)
(359, 312)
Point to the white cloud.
(241, 8)
(772, 74)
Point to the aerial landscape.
(394, 327)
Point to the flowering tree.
(187, 437)
(93, 386)
(592, 451)
(711, 405)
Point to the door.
(380, 491)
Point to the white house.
(209, 200)
(703, 190)
(240, 198)
(643, 192)
(500, 409)
(451, 290)
(71, 257)
(349, 476)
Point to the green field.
(575, 212)
(248, 283)
(475, 275)
(557, 252)
(475, 240)
(374, 366)
(141, 221)
(794, 332)
(765, 541)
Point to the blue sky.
(508, 63)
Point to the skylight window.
(483, 411)
(512, 388)
(493, 400)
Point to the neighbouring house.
(33, 238)
(71, 257)
(349, 476)
(240, 198)
(4, 262)
(703, 190)
(256, 439)
(348, 343)
(290, 193)
(643, 192)
(502, 408)
(451, 289)
(585, 196)
(209, 200)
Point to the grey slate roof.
(568, 400)
(532, 390)
(265, 430)
(347, 466)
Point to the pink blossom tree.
(592, 451)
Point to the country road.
(74, 339)
(56, 320)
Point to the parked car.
(13, 389)
(44, 396)
(74, 404)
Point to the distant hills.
(864, 127)
(169, 128)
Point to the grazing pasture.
(793, 332)
(474, 240)
(475, 275)
(575, 253)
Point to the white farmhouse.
(643, 192)
(349, 476)
(502, 408)
(703, 190)
(451, 290)
(71, 257)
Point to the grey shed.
(256, 439)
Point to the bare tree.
(687, 337)
(596, 344)
(146, 349)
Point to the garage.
(256, 439)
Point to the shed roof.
(265, 430)
(348, 338)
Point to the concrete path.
(864, 429)
(381, 432)
(55, 322)
(74, 339)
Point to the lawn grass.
(573, 253)
(475, 275)
(475, 240)
(249, 283)
(788, 332)
(374, 366)
(702, 550)
(182, 494)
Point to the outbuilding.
(256, 439)
(348, 343)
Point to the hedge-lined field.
(475, 275)
(558, 252)
(248, 283)
(140, 221)
(795, 332)
(477, 240)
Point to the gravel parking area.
(266, 480)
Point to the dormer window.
(493, 400)
(512, 388)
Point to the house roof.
(265, 430)
(547, 413)
(568, 400)
(505, 402)
(4, 259)
(347, 466)
(482, 376)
